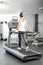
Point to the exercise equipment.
(21, 54)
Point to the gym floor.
(7, 59)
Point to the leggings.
(19, 36)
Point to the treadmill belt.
(23, 51)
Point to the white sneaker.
(27, 48)
(19, 48)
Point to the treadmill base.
(22, 54)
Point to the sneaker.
(19, 48)
(27, 48)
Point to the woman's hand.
(15, 30)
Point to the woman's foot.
(27, 48)
(19, 48)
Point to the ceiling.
(27, 6)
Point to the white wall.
(30, 20)
(0, 28)
(4, 27)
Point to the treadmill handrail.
(26, 32)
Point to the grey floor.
(7, 59)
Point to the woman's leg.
(24, 38)
(19, 36)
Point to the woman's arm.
(26, 25)
(18, 25)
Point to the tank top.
(22, 26)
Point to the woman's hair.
(21, 14)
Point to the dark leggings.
(19, 36)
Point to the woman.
(22, 26)
(22, 23)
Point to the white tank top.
(22, 26)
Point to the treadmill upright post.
(9, 35)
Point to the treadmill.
(21, 54)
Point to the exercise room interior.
(13, 47)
